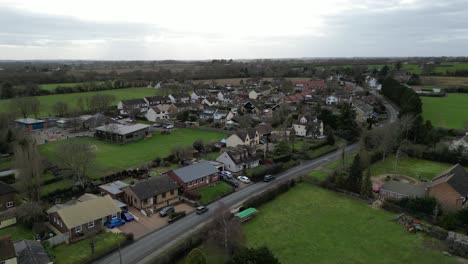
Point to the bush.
(192, 195)
(418, 205)
(282, 158)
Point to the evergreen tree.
(261, 255)
(353, 183)
(366, 186)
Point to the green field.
(212, 193)
(443, 81)
(112, 157)
(47, 101)
(17, 232)
(450, 111)
(80, 252)
(411, 167)
(312, 225)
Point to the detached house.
(195, 176)
(308, 126)
(239, 158)
(162, 111)
(208, 113)
(199, 95)
(249, 137)
(450, 188)
(78, 218)
(180, 98)
(222, 116)
(132, 105)
(7, 205)
(153, 193)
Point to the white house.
(253, 95)
(179, 98)
(220, 96)
(222, 116)
(194, 96)
(249, 137)
(239, 158)
(308, 127)
(331, 100)
(208, 113)
(160, 112)
(132, 105)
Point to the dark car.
(202, 209)
(268, 178)
(232, 182)
(128, 217)
(166, 210)
(115, 223)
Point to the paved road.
(146, 248)
(143, 250)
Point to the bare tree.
(60, 108)
(80, 103)
(28, 163)
(226, 231)
(181, 154)
(101, 102)
(25, 105)
(76, 156)
(34, 105)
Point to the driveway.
(144, 225)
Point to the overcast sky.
(210, 29)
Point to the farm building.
(31, 123)
(122, 133)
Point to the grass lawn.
(47, 101)
(212, 193)
(211, 156)
(158, 170)
(337, 163)
(312, 225)
(5, 164)
(411, 167)
(450, 111)
(317, 174)
(312, 154)
(112, 157)
(17, 232)
(80, 252)
(443, 81)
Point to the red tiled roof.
(320, 84)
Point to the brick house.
(450, 188)
(153, 193)
(87, 214)
(195, 176)
(7, 205)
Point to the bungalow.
(308, 126)
(7, 205)
(132, 105)
(153, 193)
(7, 251)
(195, 176)
(162, 111)
(239, 158)
(79, 218)
(450, 188)
(157, 100)
(248, 137)
(398, 190)
(122, 133)
(31, 123)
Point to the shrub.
(192, 195)
(418, 205)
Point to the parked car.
(115, 223)
(226, 174)
(157, 125)
(202, 209)
(231, 182)
(128, 217)
(166, 210)
(243, 179)
(268, 178)
(169, 127)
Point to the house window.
(114, 215)
(78, 229)
(9, 204)
(164, 195)
(91, 224)
(55, 220)
(172, 192)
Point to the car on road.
(243, 179)
(166, 210)
(268, 178)
(116, 222)
(202, 209)
(128, 217)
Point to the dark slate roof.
(195, 171)
(151, 187)
(264, 128)
(6, 188)
(31, 252)
(242, 134)
(158, 98)
(7, 250)
(455, 177)
(134, 101)
(404, 188)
